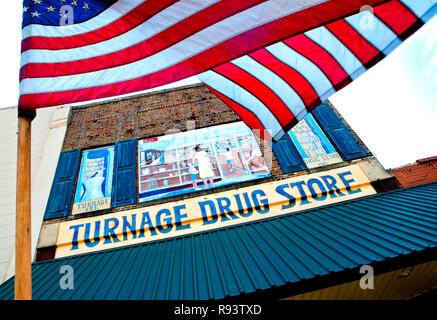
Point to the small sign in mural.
(94, 185)
(313, 145)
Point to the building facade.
(169, 114)
(169, 195)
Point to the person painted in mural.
(93, 187)
(192, 170)
(205, 168)
(230, 159)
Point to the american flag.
(80, 50)
(275, 87)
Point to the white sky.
(392, 107)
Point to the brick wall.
(420, 172)
(155, 114)
(145, 116)
(151, 115)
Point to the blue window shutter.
(288, 156)
(124, 187)
(338, 132)
(62, 189)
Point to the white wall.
(48, 132)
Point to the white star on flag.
(63, 14)
(35, 14)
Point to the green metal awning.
(250, 257)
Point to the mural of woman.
(205, 167)
(93, 187)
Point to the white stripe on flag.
(324, 38)
(419, 7)
(244, 98)
(116, 11)
(375, 31)
(304, 66)
(281, 88)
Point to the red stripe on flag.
(395, 15)
(259, 90)
(129, 21)
(142, 50)
(298, 82)
(356, 43)
(246, 115)
(320, 57)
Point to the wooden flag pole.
(23, 250)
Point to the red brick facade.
(420, 172)
(155, 114)
(145, 116)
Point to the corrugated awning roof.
(251, 256)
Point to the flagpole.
(23, 251)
